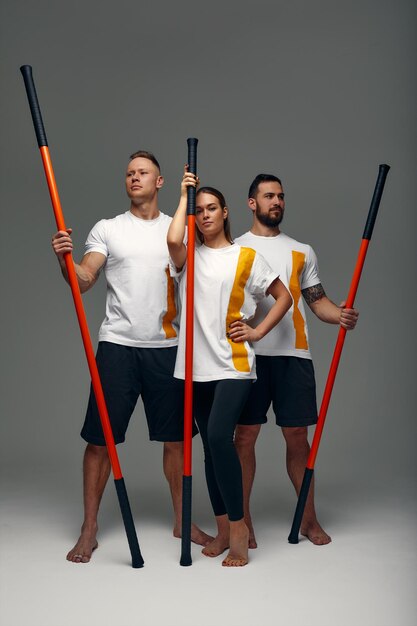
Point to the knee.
(173, 447)
(218, 442)
(215, 440)
(295, 436)
(246, 436)
(97, 451)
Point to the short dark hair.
(144, 154)
(220, 197)
(261, 178)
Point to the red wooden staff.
(189, 347)
(137, 560)
(309, 471)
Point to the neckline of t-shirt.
(264, 237)
(135, 218)
(224, 250)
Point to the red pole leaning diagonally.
(137, 560)
(309, 471)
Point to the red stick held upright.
(137, 560)
(366, 237)
(189, 348)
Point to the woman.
(229, 281)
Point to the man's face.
(269, 204)
(143, 179)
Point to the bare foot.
(252, 544)
(198, 536)
(83, 549)
(238, 553)
(314, 532)
(217, 546)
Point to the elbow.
(85, 286)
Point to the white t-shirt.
(297, 266)
(141, 308)
(228, 284)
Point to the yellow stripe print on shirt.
(298, 260)
(171, 308)
(237, 297)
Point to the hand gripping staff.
(137, 560)
(366, 238)
(189, 346)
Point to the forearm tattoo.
(312, 294)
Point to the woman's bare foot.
(252, 544)
(239, 540)
(315, 533)
(198, 536)
(86, 544)
(217, 546)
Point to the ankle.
(89, 526)
(239, 528)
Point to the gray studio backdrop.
(318, 93)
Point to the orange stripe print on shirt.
(237, 297)
(171, 308)
(298, 260)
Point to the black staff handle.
(376, 199)
(192, 166)
(34, 105)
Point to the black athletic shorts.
(288, 382)
(127, 372)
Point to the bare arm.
(88, 270)
(328, 311)
(176, 231)
(240, 331)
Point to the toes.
(233, 562)
(79, 558)
(80, 555)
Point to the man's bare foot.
(239, 540)
(198, 536)
(217, 546)
(83, 549)
(314, 532)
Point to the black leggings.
(218, 405)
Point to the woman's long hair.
(226, 223)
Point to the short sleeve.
(261, 278)
(174, 272)
(178, 274)
(310, 273)
(97, 239)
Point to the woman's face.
(209, 215)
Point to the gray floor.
(366, 577)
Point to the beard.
(267, 220)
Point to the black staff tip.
(34, 105)
(376, 199)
